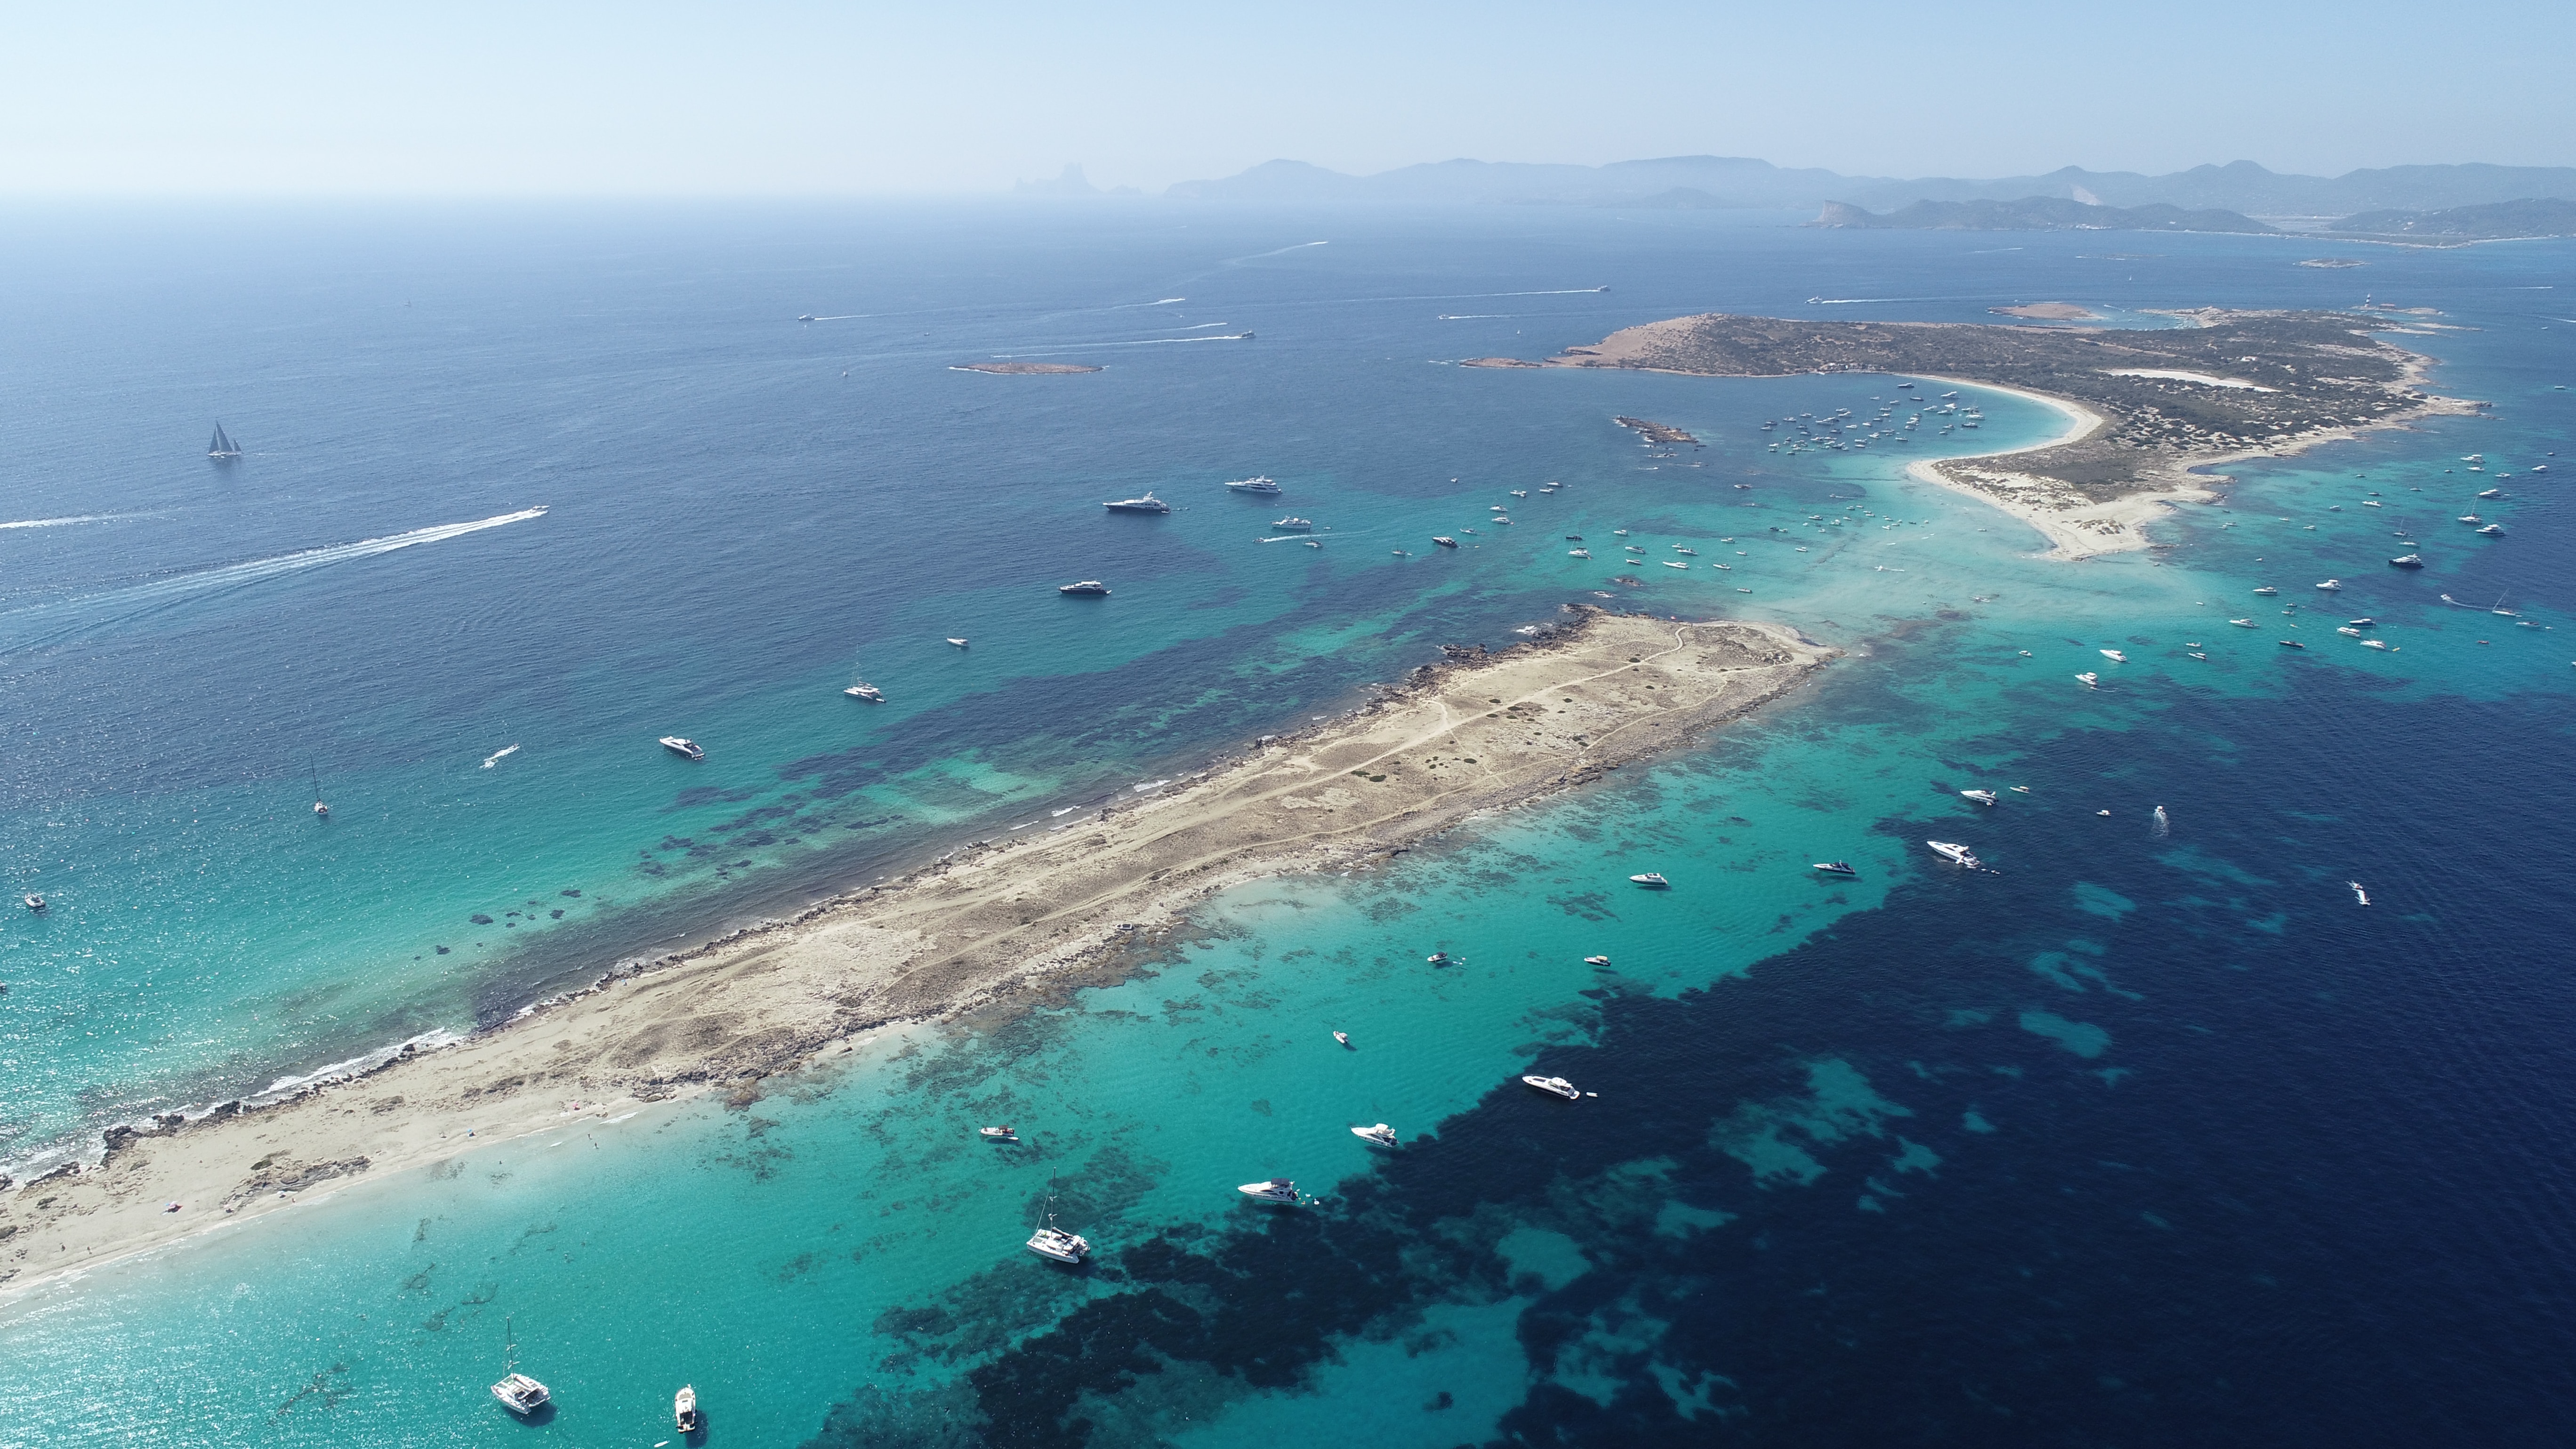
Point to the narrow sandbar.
(1478, 733)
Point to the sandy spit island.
(1478, 733)
(2149, 411)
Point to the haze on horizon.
(587, 99)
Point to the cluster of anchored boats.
(526, 1397)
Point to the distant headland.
(2146, 408)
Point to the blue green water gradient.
(1856, 1142)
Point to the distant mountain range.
(2042, 213)
(2549, 216)
(1726, 181)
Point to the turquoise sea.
(2155, 1136)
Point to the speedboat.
(1520, 493)
(1438, 958)
(684, 1409)
(1554, 1087)
(2091, 680)
(1444, 540)
(1147, 504)
(866, 691)
(2493, 492)
(2359, 896)
(1596, 960)
(1674, 563)
(2242, 623)
(687, 749)
(2348, 629)
(2493, 530)
(2361, 623)
(2374, 644)
(1618, 533)
(1277, 1190)
(997, 1134)
(960, 643)
(2332, 585)
(1694, 553)
(2115, 656)
(2021, 789)
(2468, 518)
(2408, 561)
(1092, 588)
(2196, 654)
(2267, 591)
(2292, 644)
(1254, 485)
(1292, 525)
(1343, 1037)
(1652, 880)
(33, 901)
(1578, 553)
(1836, 867)
(1956, 854)
(1982, 797)
(1381, 1134)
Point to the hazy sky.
(532, 97)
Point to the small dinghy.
(1344, 1038)
(33, 901)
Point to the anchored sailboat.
(222, 446)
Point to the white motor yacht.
(2359, 896)
(861, 689)
(1278, 1190)
(684, 1409)
(2091, 680)
(1982, 797)
(685, 748)
(1553, 1086)
(2332, 585)
(1092, 588)
(2242, 623)
(1596, 960)
(2267, 591)
(1956, 854)
(1147, 504)
(1381, 1134)
(2115, 656)
(1254, 485)
(1652, 880)
(1292, 524)
(997, 1134)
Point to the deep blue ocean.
(2155, 1137)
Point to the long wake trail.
(43, 624)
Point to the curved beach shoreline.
(1481, 732)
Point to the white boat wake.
(84, 612)
(60, 522)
